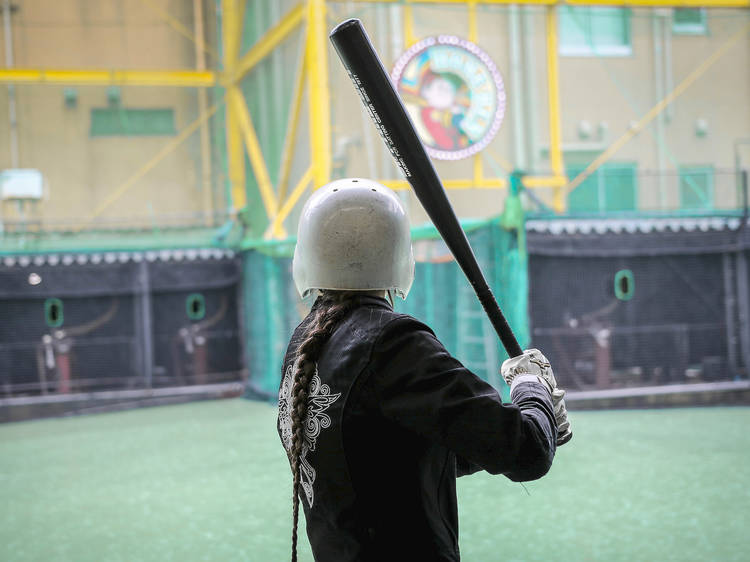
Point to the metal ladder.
(476, 341)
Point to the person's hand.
(532, 362)
(530, 366)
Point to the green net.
(441, 297)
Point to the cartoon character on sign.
(453, 94)
(438, 102)
(446, 100)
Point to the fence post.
(743, 308)
(146, 325)
(743, 291)
(744, 199)
(730, 305)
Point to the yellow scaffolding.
(314, 70)
(98, 77)
(241, 136)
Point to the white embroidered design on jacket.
(318, 401)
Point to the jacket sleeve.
(421, 387)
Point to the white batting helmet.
(353, 235)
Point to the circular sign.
(453, 93)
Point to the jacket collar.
(365, 300)
(374, 302)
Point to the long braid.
(329, 310)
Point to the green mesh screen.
(441, 297)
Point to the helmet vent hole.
(336, 189)
(355, 181)
(374, 189)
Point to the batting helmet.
(353, 235)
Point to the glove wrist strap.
(528, 377)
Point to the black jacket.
(392, 420)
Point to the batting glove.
(532, 366)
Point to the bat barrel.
(380, 99)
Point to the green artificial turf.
(209, 481)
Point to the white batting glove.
(532, 363)
(532, 366)
(564, 433)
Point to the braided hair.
(328, 311)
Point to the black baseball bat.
(387, 111)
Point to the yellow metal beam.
(103, 77)
(231, 22)
(291, 133)
(319, 98)
(396, 185)
(478, 172)
(408, 22)
(269, 41)
(533, 182)
(655, 3)
(473, 33)
(544, 2)
(553, 98)
(666, 3)
(205, 138)
(494, 183)
(258, 163)
(236, 161)
(482, 1)
(276, 227)
(658, 108)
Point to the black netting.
(93, 347)
(195, 350)
(675, 319)
(75, 327)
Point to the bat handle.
(498, 321)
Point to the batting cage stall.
(624, 303)
(440, 296)
(126, 321)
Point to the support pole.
(730, 308)
(205, 141)
(743, 290)
(516, 74)
(473, 30)
(658, 24)
(529, 83)
(320, 111)
(146, 327)
(235, 154)
(478, 171)
(254, 152)
(745, 202)
(12, 114)
(743, 296)
(408, 18)
(553, 99)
